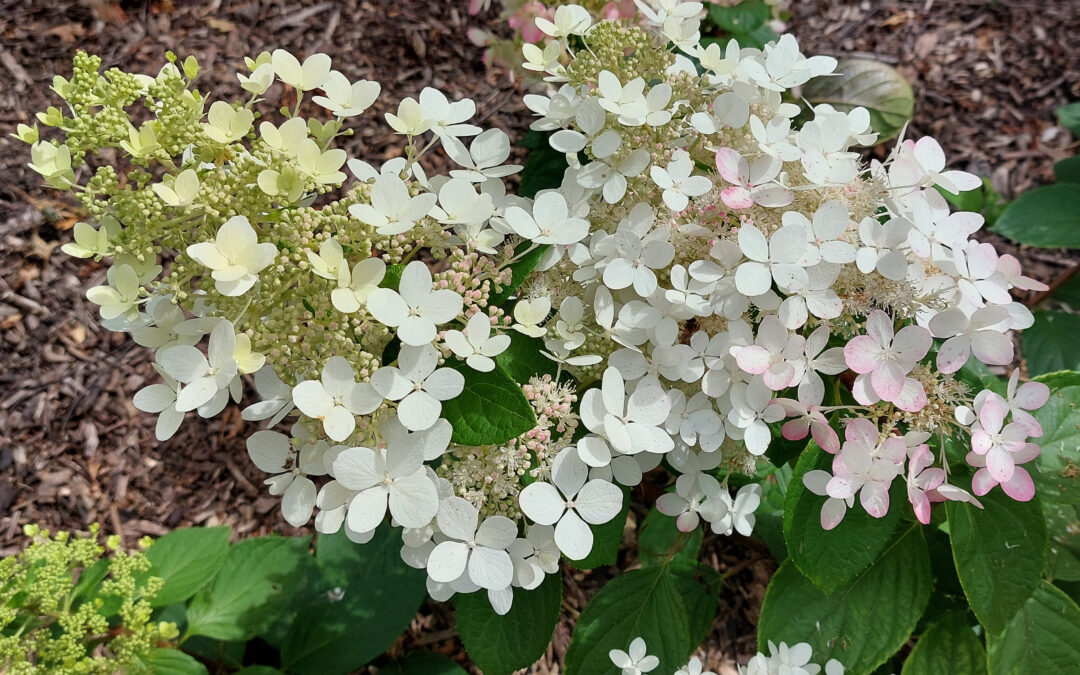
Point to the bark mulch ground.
(73, 449)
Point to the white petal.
(447, 561)
(598, 502)
(542, 503)
(573, 536)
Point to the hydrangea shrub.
(715, 288)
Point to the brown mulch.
(73, 450)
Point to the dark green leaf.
(740, 18)
(1000, 553)
(1068, 170)
(392, 278)
(1057, 468)
(424, 663)
(523, 360)
(368, 597)
(1043, 637)
(1063, 556)
(1069, 116)
(700, 601)
(90, 578)
(948, 648)
(544, 166)
(228, 654)
(1046, 217)
(499, 645)
(252, 589)
(642, 602)
(969, 200)
(491, 410)
(187, 560)
(873, 85)
(661, 543)
(166, 661)
(606, 539)
(1069, 292)
(1059, 379)
(830, 558)
(860, 624)
(1047, 343)
(520, 271)
(259, 670)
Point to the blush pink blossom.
(887, 357)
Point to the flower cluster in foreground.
(491, 371)
(781, 660)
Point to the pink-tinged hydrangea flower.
(775, 355)
(980, 333)
(808, 420)
(1019, 486)
(1028, 396)
(751, 183)
(995, 440)
(833, 510)
(887, 358)
(922, 479)
(867, 465)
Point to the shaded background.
(73, 449)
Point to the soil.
(73, 450)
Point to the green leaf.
(1059, 379)
(367, 598)
(968, 200)
(187, 560)
(1069, 292)
(225, 654)
(167, 661)
(1047, 343)
(1046, 217)
(745, 22)
(860, 624)
(259, 670)
(392, 278)
(252, 589)
(424, 663)
(606, 539)
(873, 85)
(831, 558)
(491, 410)
(499, 645)
(639, 603)
(522, 359)
(949, 647)
(1069, 116)
(1063, 556)
(700, 601)
(544, 165)
(1000, 553)
(520, 271)
(1057, 468)
(1043, 637)
(89, 579)
(661, 542)
(1068, 170)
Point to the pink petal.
(825, 436)
(982, 482)
(862, 353)
(953, 354)
(796, 430)
(728, 165)
(912, 397)
(888, 380)
(880, 327)
(1000, 464)
(921, 506)
(753, 359)
(736, 197)
(1020, 487)
(992, 348)
(875, 499)
(832, 513)
(1032, 395)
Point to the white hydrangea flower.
(677, 183)
(415, 309)
(694, 667)
(393, 476)
(276, 403)
(344, 98)
(476, 344)
(226, 124)
(392, 210)
(636, 661)
(235, 256)
(568, 20)
(529, 313)
(479, 552)
(625, 425)
(485, 157)
(571, 501)
(419, 388)
(336, 398)
(183, 190)
(272, 453)
(93, 243)
(549, 223)
(304, 77)
(203, 376)
(356, 286)
(120, 297)
(160, 399)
